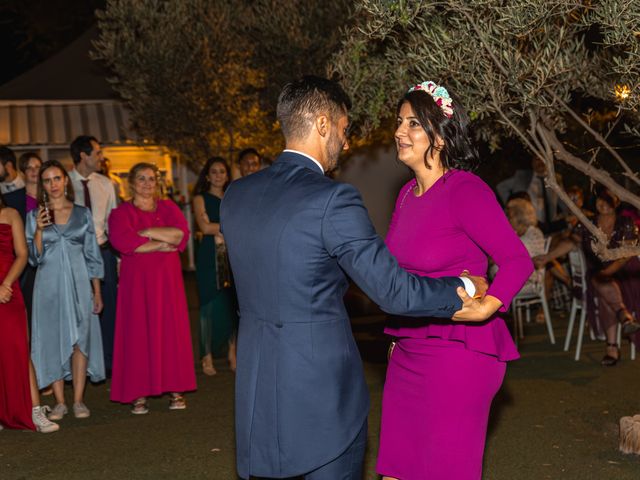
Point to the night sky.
(33, 30)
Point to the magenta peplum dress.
(443, 375)
(152, 351)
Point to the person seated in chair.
(603, 276)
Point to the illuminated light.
(622, 92)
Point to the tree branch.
(601, 241)
(599, 138)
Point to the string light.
(622, 92)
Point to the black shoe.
(608, 360)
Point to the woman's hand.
(474, 310)
(167, 247)
(43, 219)
(540, 261)
(218, 239)
(98, 304)
(145, 233)
(6, 292)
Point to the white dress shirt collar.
(308, 156)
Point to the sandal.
(177, 402)
(608, 360)
(140, 407)
(207, 366)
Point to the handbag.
(223, 270)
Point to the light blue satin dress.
(63, 298)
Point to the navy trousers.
(109, 287)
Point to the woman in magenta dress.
(19, 397)
(152, 352)
(443, 375)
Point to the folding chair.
(527, 298)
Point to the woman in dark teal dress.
(218, 310)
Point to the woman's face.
(577, 199)
(603, 207)
(31, 170)
(217, 175)
(411, 140)
(145, 183)
(53, 182)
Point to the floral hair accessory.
(439, 94)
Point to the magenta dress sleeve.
(174, 218)
(479, 214)
(122, 233)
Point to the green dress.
(218, 307)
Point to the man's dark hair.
(81, 144)
(247, 151)
(301, 101)
(7, 156)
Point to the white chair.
(578, 267)
(632, 347)
(529, 297)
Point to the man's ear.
(322, 125)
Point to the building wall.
(379, 176)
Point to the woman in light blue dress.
(65, 340)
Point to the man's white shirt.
(103, 199)
(16, 184)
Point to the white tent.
(68, 95)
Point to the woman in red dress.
(152, 352)
(19, 398)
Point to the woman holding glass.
(152, 352)
(66, 343)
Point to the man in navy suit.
(293, 236)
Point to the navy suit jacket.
(18, 200)
(293, 236)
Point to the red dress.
(152, 352)
(15, 396)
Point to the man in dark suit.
(293, 236)
(17, 197)
(18, 200)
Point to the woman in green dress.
(218, 304)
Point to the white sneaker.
(80, 410)
(59, 411)
(40, 420)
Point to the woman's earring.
(45, 197)
(65, 191)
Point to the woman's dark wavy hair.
(202, 185)
(458, 150)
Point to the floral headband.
(439, 94)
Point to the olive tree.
(518, 66)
